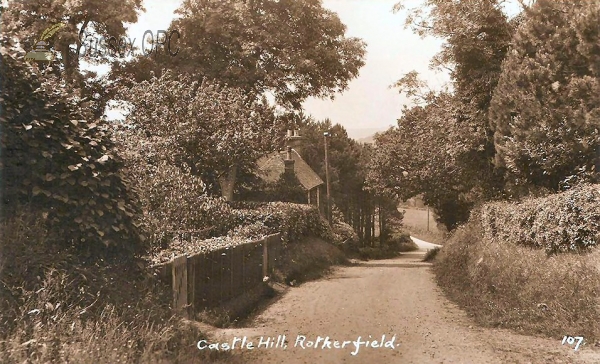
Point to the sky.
(369, 104)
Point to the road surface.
(397, 298)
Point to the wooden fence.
(207, 280)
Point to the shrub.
(172, 199)
(344, 232)
(399, 242)
(519, 287)
(431, 254)
(567, 221)
(60, 160)
(293, 221)
(57, 307)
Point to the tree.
(291, 48)
(546, 108)
(211, 130)
(429, 153)
(58, 159)
(26, 21)
(446, 141)
(348, 162)
(477, 35)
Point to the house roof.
(272, 166)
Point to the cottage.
(272, 166)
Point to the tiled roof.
(271, 167)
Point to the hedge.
(567, 221)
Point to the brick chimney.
(289, 161)
(292, 140)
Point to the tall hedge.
(567, 221)
(59, 161)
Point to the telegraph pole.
(328, 211)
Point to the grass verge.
(56, 307)
(506, 285)
(309, 259)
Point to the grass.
(415, 222)
(502, 284)
(56, 307)
(308, 259)
(431, 254)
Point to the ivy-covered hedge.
(293, 221)
(567, 221)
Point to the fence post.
(180, 292)
(265, 257)
(191, 284)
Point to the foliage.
(546, 108)
(503, 285)
(60, 160)
(348, 162)
(286, 189)
(400, 241)
(430, 153)
(568, 221)
(26, 21)
(173, 202)
(445, 143)
(431, 254)
(211, 130)
(293, 221)
(56, 307)
(291, 48)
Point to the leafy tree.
(429, 153)
(546, 108)
(348, 162)
(211, 130)
(58, 159)
(291, 48)
(24, 22)
(27, 20)
(446, 142)
(477, 35)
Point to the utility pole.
(328, 211)
(427, 218)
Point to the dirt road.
(397, 298)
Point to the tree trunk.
(227, 182)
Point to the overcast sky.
(391, 52)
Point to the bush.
(344, 233)
(431, 254)
(60, 160)
(293, 221)
(567, 221)
(172, 200)
(57, 307)
(513, 286)
(400, 242)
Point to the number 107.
(571, 340)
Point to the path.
(389, 297)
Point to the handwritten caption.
(570, 340)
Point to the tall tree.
(211, 130)
(292, 48)
(25, 21)
(429, 153)
(546, 108)
(477, 35)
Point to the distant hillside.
(369, 139)
(364, 135)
